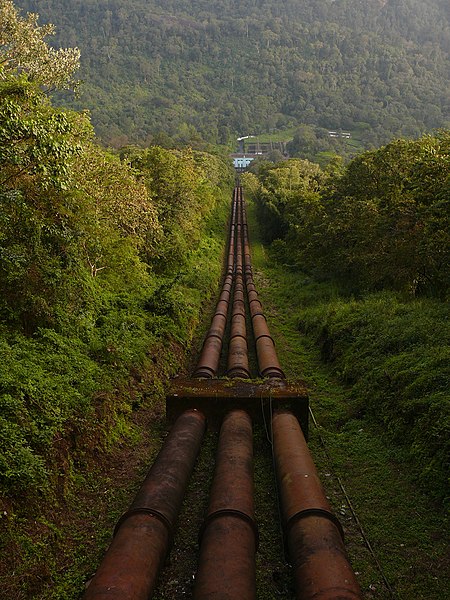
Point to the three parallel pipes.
(229, 535)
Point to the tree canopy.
(23, 49)
(382, 222)
(221, 68)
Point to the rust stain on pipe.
(143, 534)
(321, 568)
(229, 535)
(238, 358)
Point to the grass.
(405, 528)
(281, 135)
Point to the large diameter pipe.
(321, 568)
(143, 534)
(268, 363)
(238, 365)
(208, 362)
(229, 535)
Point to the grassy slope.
(406, 531)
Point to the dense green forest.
(211, 69)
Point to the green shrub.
(396, 356)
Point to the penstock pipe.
(238, 364)
(268, 363)
(229, 534)
(143, 535)
(208, 362)
(315, 539)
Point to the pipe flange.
(145, 511)
(221, 313)
(264, 335)
(203, 372)
(230, 512)
(317, 512)
(238, 335)
(260, 314)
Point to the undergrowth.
(395, 355)
(71, 398)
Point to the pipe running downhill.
(143, 535)
(315, 539)
(268, 363)
(229, 534)
(238, 364)
(208, 363)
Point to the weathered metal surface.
(238, 363)
(218, 325)
(238, 357)
(321, 568)
(208, 362)
(229, 535)
(216, 397)
(256, 308)
(269, 365)
(238, 308)
(143, 535)
(260, 327)
(253, 296)
(238, 326)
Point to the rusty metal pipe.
(238, 358)
(222, 307)
(321, 568)
(218, 325)
(238, 326)
(238, 363)
(143, 534)
(225, 296)
(238, 308)
(208, 363)
(268, 363)
(229, 535)
(259, 323)
(256, 308)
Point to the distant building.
(241, 161)
(340, 134)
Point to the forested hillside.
(216, 68)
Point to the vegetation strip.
(350, 505)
